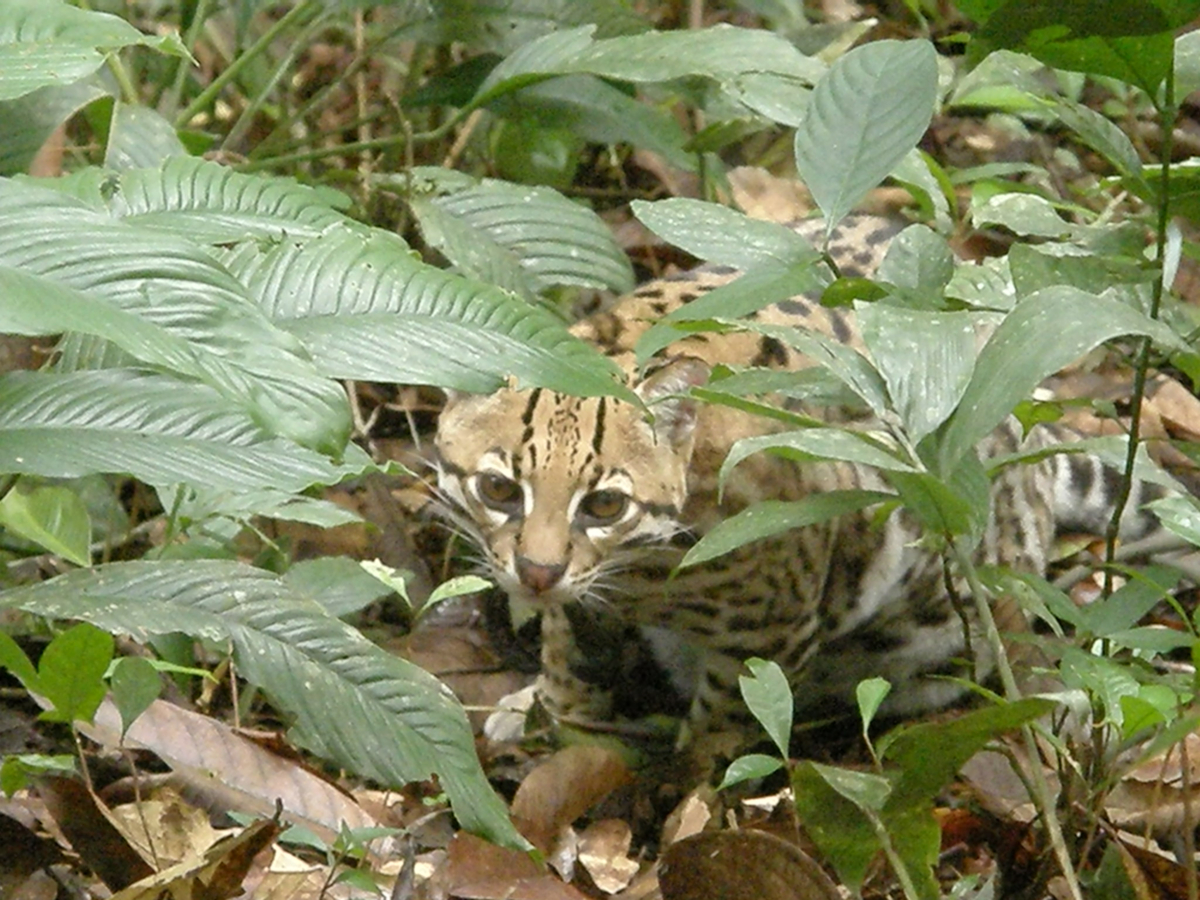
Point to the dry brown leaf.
(1152, 795)
(604, 852)
(1153, 875)
(1177, 407)
(164, 830)
(689, 817)
(230, 771)
(218, 875)
(477, 870)
(741, 865)
(24, 851)
(87, 824)
(563, 788)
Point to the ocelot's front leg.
(718, 727)
(567, 695)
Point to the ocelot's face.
(559, 491)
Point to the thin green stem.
(175, 92)
(246, 119)
(355, 147)
(1043, 795)
(205, 98)
(1167, 113)
(129, 91)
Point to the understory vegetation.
(228, 230)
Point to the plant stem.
(293, 16)
(170, 101)
(1043, 796)
(1167, 113)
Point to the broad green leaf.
(753, 68)
(841, 444)
(929, 754)
(863, 118)
(919, 262)
(835, 823)
(1180, 515)
(16, 771)
(172, 282)
(139, 137)
(71, 672)
(160, 430)
(1024, 214)
(601, 113)
(135, 684)
(502, 26)
(48, 42)
(212, 204)
(772, 517)
(1041, 335)
(1048, 265)
(722, 235)
(31, 119)
(525, 239)
(353, 703)
(926, 359)
(769, 697)
(338, 583)
(52, 517)
(1106, 679)
(1101, 134)
(365, 308)
(1130, 40)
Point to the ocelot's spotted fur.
(584, 501)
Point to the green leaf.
(1180, 515)
(863, 118)
(353, 703)
(45, 42)
(365, 308)
(919, 261)
(835, 823)
(17, 771)
(769, 697)
(825, 443)
(71, 673)
(724, 236)
(929, 754)
(135, 684)
(870, 694)
(31, 119)
(752, 291)
(926, 359)
(1130, 40)
(771, 517)
(1108, 680)
(338, 583)
(957, 507)
(139, 136)
(457, 587)
(52, 517)
(1042, 334)
(521, 238)
(754, 69)
(158, 429)
(1101, 134)
(1130, 602)
(13, 658)
(1024, 214)
(749, 767)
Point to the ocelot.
(587, 501)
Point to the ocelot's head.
(559, 491)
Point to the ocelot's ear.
(674, 416)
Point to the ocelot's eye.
(499, 492)
(603, 507)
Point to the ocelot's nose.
(538, 577)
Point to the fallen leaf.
(741, 865)
(604, 852)
(563, 788)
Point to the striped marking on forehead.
(562, 431)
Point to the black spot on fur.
(771, 352)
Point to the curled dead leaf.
(741, 865)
